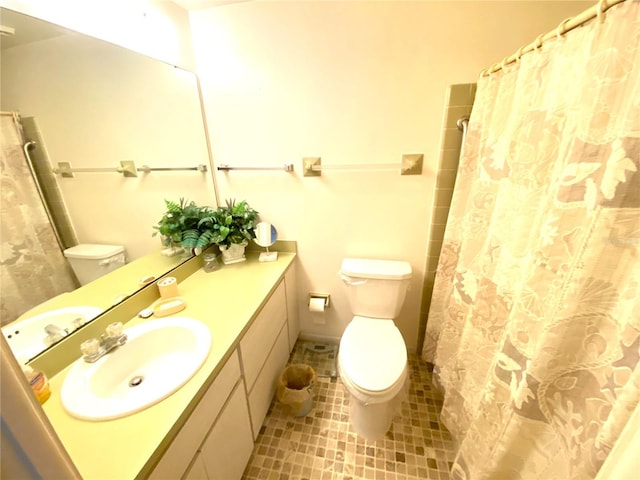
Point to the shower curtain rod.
(564, 27)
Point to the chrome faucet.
(55, 330)
(93, 349)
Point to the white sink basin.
(27, 337)
(159, 357)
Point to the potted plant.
(233, 227)
(186, 224)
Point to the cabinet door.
(227, 449)
(257, 342)
(178, 456)
(265, 387)
(197, 471)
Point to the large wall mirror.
(84, 102)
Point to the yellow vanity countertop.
(227, 301)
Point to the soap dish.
(168, 306)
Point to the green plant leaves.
(195, 226)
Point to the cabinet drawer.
(178, 456)
(257, 342)
(265, 387)
(228, 447)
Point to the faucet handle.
(114, 330)
(90, 347)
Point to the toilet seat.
(373, 357)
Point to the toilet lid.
(372, 353)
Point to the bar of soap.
(168, 306)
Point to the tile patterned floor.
(322, 445)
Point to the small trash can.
(295, 388)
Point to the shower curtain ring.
(602, 6)
(538, 43)
(519, 53)
(504, 62)
(560, 30)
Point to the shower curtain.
(534, 325)
(32, 266)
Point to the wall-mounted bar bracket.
(128, 168)
(308, 164)
(64, 169)
(411, 164)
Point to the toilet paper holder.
(324, 296)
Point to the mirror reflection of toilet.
(90, 261)
(372, 359)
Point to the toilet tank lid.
(93, 251)
(382, 269)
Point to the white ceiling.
(200, 4)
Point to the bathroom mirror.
(266, 235)
(95, 105)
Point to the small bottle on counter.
(210, 262)
(39, 383)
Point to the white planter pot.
(234, 253)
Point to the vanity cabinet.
(264, 351)
(264, 389)
(217, 439)
(217, 422)
(227, 449)
(258, 341)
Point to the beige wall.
(352, 82)
(157, 28)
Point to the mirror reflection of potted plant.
(233, 228)
(186, 225)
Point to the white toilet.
(372, 359)
(90, 261)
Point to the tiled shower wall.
(48, 184)
(458, 104)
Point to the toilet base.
(372, 421)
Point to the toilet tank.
(90, 261)
(375, 288)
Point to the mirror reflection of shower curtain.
(29, 252)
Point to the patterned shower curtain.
(32, 266)
(534, 326)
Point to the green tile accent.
(440, 215)
(452, 139)
(432, 263)
(460, 94)
(446, 178)
(443, 197)
(437, 232)
(459, 102)
(449, 158)
(48, 184)
(453, 114)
